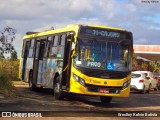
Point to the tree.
(14, 55)
(134, 62)
(7, 35)
(1, 56)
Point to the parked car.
(139, 82)
(143, 81)
(157, 77)
(151, 78)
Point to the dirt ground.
(78, 107)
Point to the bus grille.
(96, 88)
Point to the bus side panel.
(29, 66)
(49, 70)
(20, 69)
(40, 71)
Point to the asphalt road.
(86, 106)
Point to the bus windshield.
(100, 54)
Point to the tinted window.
(37, 49)
(42, 49)
(62, 40)
(55, 41)
(136, 75)
(25, 48)
(47, 48)
(61, 46)
(31, 49)
(54, 49)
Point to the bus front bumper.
(116, 91)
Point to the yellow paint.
(76, 87)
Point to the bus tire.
(105, 100)
(32, 86)
(58, 94)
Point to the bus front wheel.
(105, 100)
(58, 94)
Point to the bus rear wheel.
(105, 100)
(32, 86)
(58, 93)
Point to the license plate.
(103, 90)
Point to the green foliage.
(143, 65)
(154, 66)
(14, 55)
(8, 72)
(1, 56)
(134, 62)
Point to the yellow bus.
(81, 59)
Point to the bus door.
(25, 55)
(38, 62)
(65, 81)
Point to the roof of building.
(151, 52)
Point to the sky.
(141, 17)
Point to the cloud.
(37, 15)
(18, 43)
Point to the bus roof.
(66, 29)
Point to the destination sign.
(103, 33)
(106, 33)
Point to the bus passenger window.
(42, 48)
(62, 40)
(37, 49)
(61, 45)
(31, 49)
(54, 48)
(47, 47)
(25, 49)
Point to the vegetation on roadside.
(141, 65)
(8, 67)
(8, 72)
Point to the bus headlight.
(78, 79)
(126, 84)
